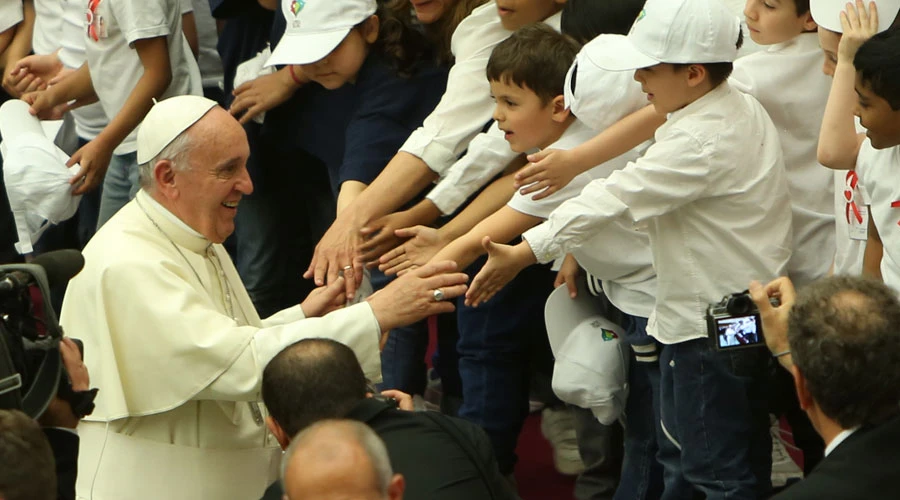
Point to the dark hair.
(440, 32)
(312, 380)
(801, 6)
(876, 65)
(28, 471)
(583, 20)
(844, 338)
(535, 56)
(717, 72)
(399, 42)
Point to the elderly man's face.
(210, 189)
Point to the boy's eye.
(769, 6)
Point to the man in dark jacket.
(440, 457)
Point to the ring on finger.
(438, 294)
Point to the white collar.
(840, 438)
(169, 215)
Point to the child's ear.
(560, 112)
(808, 24)
(370, 29)
(696, 74)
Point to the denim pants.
(715, 425)
(120, 185)
(497, 342)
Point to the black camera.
(734, 322)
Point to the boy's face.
(829, 41)
(882, 123)
(525, 119)
(667, 88)
(775, 21)
(517, 13)
(342, 64)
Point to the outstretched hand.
(411, 297)
(422, 244)
(503, 264)
(324, 299)
(859, 23)
(549, 171)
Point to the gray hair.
(350, 431)
(176, 152)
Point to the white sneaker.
(783, 466)
(558, 426)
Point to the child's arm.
(266, 92)
(874, 251)
(503, 264)
(838, 141)
(189, 28)
(551, 169)
(52, 103)
(18, 84)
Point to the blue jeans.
(120, 186)
(496, 343)
(715, 425)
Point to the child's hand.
(94, 159)
(568, 275)
(18, 83)
(381, 235)
(424, 243)
(859, 24)
(260, 95)
(42, 104)
(503, 264)
(44, 67)
(550, 170)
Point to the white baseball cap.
(591, 368)
(827, 13)
(166, 120)
(674, 31)
(35, 175)
(601, 97)
(316, 27)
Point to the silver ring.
(438, 294)
(347, 267)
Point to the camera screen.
(740, 331)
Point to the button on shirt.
(878, 170)
(713, 193)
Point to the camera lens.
(739, 305)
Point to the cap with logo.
(591, 368)
(827, 13)
(35, 174)
(316, 27)
(166, 120)
(674, 31)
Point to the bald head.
(339, 459)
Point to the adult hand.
(859, 24)
(774, 318)
(336, 255)
(568, 275)
(45, 67)
(411, 297)
(404, 400)
(324, 299)
(59, 413)
(94, 158)
(549, 171)
(422, 244)
(261, 94)
(381, 235)
(503, 264)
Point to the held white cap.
(827, 13)
(674, 31)
(316, 27)
(166, 120)
(35, 175)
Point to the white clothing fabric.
(466, 106)
(851, 222)
(114, 63)
(10, 14)
(90, 119)
(788, 81)
(840, 438)
(877, 170)
(175, 343)
(48, 22)
(749, 46)
(211, 72)
(715, 201)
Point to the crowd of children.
(536, 143)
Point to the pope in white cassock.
(171, 337)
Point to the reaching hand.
(774, 318)
(262, 94)
(336, 255)
(45, 67)
(859, 24)
(42, 104)
(549, 171)
(324, 299)
(381, 235)
(568, 275)
(412, 297)
(94, 158)
(503, 264)
(423, 244)
(19, 83)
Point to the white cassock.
(177, 349)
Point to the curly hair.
(400, 42)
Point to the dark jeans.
(498, 342)
(715, 426)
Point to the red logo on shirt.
(92, 26)
(852, 181)
(896, 204)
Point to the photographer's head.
(309, 381)
(27, 469)
(845, 343)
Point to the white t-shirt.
(48, 21)
(713, 193)
(788, 81)
(114, 63)
(879, 170)
(90, 119)
(851, 222)
(10, 14)
(209, 61)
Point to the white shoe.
(783, 466)
(558, 426)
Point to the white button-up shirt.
(713, 193)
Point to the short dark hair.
(876, 65)
(801, 6)
(28, 471)
(718, 72)
(312, 380)
(584, 20)
(844, 338)
(536, 57)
